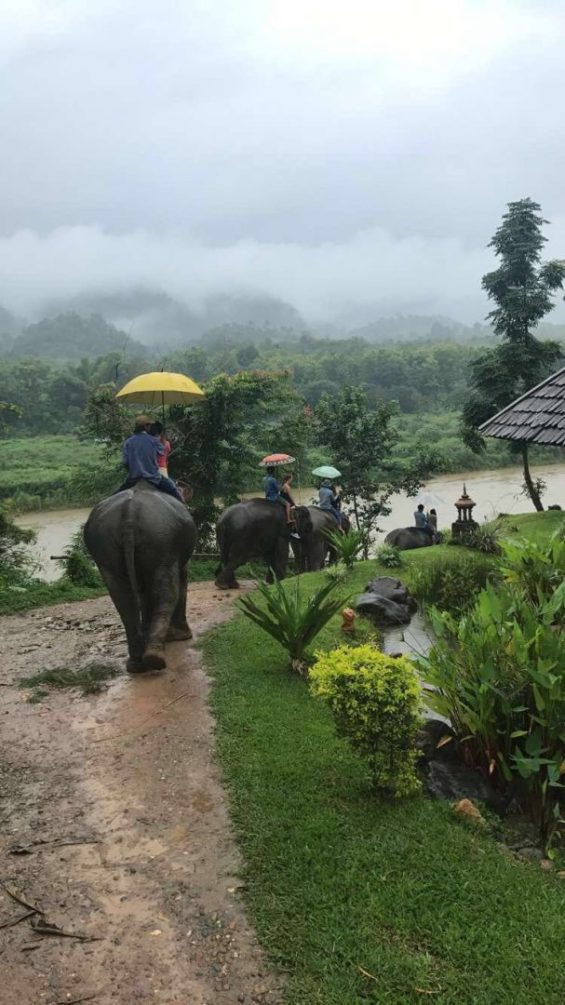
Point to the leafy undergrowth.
(357, 899)
(89, 679)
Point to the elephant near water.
(411, 537)
(255, 529)
(141, 541)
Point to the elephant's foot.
(154, 658)
(134, 665)
(177, 633)
(227, 586)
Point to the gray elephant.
(410, 537)
(141, 540)
(255, 529)
(313, 547)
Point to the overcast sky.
(324, 151)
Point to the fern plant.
(289, 618)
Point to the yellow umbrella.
(161, 388)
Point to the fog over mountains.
(178, 166)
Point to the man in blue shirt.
(140, 455)
(327, 500)
(421, 521)
(271, 486)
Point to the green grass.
(89, 679)
(356, 899)
(38, 594)
(37, 459)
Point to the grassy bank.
(357, 899)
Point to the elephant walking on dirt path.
(141, 541)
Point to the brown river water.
(497, 491)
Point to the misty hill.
(412, 327)
(157, 319)
(71, 336)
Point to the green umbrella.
(326, 471)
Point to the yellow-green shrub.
(376, 703)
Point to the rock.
(436, 741)
(385, 612)
(454, 781)
(530, 854)
(467, 809)
(391, 589)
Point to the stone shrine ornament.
(464, 523)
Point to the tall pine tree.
(522, 288)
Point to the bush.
(499, 676)
(77, 564)
(389, 556)
(292, 620)
(452, 582)
(376, 703)
(483, 537)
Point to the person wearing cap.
(140, 455)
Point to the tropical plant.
(536, 569)
(522, 288)
(347, 547)
(376, 703)
(389, 556)
(498, 675)
(291, 619)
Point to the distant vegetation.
(50, 370)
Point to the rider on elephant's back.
(275, 492)
(140, 454)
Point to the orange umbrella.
(276, 460)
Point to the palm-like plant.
(348, 546)
(292, 620)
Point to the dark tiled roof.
(537, 417)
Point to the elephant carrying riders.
(140, 454)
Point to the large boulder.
(392, 589)
(387, 602)
(385, 612)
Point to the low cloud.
(322, 281)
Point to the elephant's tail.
(222, 548)
(128, 538)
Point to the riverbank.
(494, 492)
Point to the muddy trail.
(114, 826)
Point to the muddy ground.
(113, 823)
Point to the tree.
(217, 443)
(522, 288)
(360, 441)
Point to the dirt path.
(117, 801)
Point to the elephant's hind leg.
(164, 595)
(179, 629)
(127, 607)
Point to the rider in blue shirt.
(140, 455)
(271, 486)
